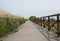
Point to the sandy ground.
(27, 32)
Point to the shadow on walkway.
(47, 34)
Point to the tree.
(32, 17)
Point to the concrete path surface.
(27, 32)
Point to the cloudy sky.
(28, 8)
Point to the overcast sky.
(28, 8)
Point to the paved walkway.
(27, 32)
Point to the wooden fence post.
(41, 21)
(44, 22)
(49, 23)
(58, 33)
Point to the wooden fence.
(49, 23)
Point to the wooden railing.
(49, 23)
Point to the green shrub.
(53, 29)
(23, 21)
(10, 25)
(2, 30)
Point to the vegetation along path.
(27, 32)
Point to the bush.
(23, 21)
(10, 25)
(2, 30)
